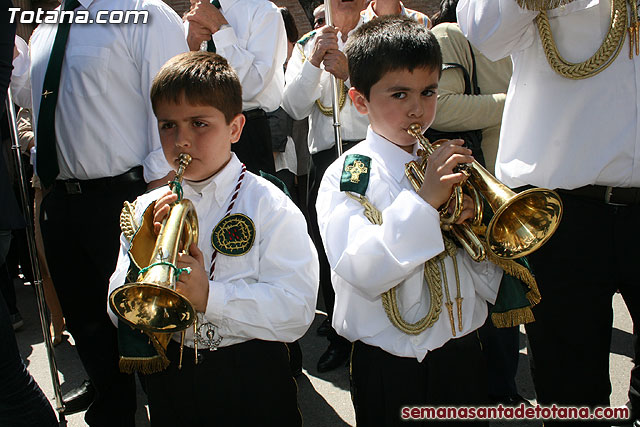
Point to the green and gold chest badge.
(355, 173)
(234, 235)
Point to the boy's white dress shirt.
(268, 293)
(368, 260)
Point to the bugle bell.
(151, 303)
(521, 222)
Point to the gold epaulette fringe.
(144, 365)
(518, 316)
(521, 273)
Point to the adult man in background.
(250, 34)
(308, 93)
(571, 123)
(393, 7)
(97, 146)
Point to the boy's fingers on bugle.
(194, 283)
(161, 209)
(441, 174)
(468, 209)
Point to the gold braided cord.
(390, 302)
(600, 60)
(342, 99)
(431, 276)
(370, 212)
(540, 5)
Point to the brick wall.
(428, 7)
(180, 6)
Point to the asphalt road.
(323, 398)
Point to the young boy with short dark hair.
(385, 245)
(250, 295)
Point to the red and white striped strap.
(234, 196)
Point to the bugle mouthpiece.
(415, 130)
(184, 159)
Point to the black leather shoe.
(79, 399)
(323, 329)
(334, 357)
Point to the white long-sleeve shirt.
(104, 121)
(557, 132)
(368, 259)
(268, 293)
(306, 83)
(255, 45)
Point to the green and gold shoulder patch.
(355, 173)
(304, 39)
(234, 235)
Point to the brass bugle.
(151, 303)
(521, 223)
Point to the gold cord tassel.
(634, 30)
(447, 302)
(459, 295)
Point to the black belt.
(617, 196)
(254, 114)
(80, 186)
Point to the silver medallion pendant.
(208, 336)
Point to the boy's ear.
(359, 101)
(236, 126)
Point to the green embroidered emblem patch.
(234, 235)
(355, 173)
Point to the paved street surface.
(324, 398)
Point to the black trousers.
(321, 161)
(593, 253)
(254, 147)
(381, 383)
(80, 233)
(502, 350)
(247, 384)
